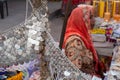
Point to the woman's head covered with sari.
(78, 24)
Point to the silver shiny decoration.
(23, 42)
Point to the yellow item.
(101, 8)
(107, 16)
(96, 7)
(110, 7)
(107, 6)
(116, 17)
(114, 7)
(107, 13)
(18, 76)
(98, 31)
(94, 2)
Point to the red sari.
(77, 32)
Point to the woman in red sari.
(77, 41)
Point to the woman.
(77, 41)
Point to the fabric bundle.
(18, 76)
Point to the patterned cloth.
(79, 54)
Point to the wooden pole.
(67, 13)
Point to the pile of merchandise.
(114, 72)
(108, 31)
